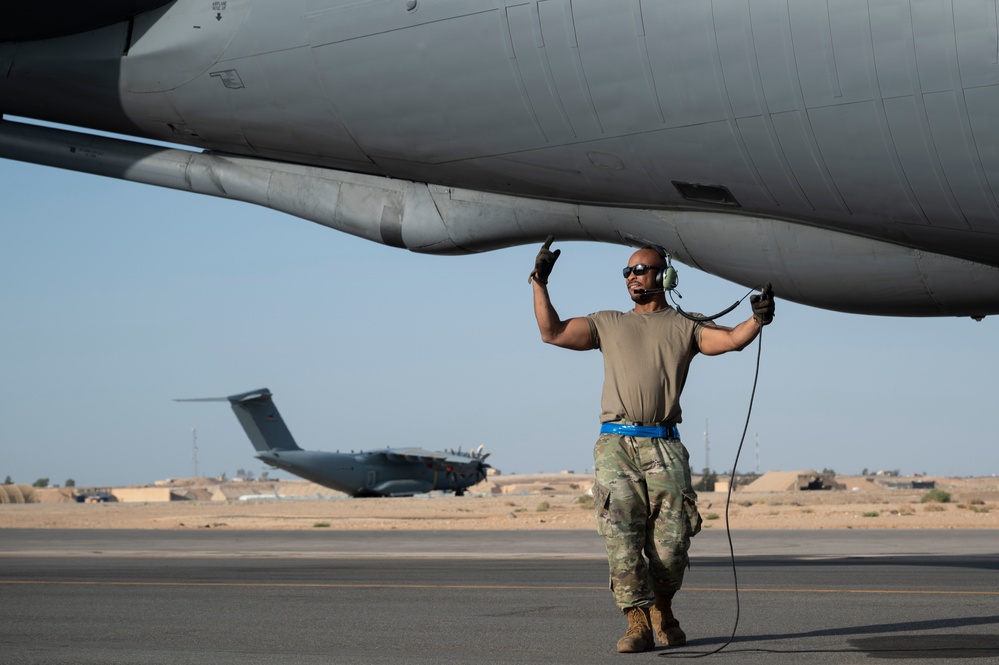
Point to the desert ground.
(550, 501)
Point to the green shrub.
(935, 496)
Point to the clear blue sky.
(117, 298)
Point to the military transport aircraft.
(385, 472)
(847, 151)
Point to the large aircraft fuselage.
(369, 474)
(870, 119)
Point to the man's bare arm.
(716, 340)
(572, 334)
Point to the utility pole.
(194, 450)
(707, 448)
(757, 453)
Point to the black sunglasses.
(639, 270)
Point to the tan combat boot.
(665, 624)
(639, 635)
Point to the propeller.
(478, 454)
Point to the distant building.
(794, 481)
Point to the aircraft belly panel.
(936, 58)
(780, 182)
(863, 167)
(977, 28)
(743, 87)
(447, 90)
(534, 72)
(894, 50)
(613, 46)
(562, 58)
(846, 61)
(952, 137)
(815, 32)
(258, 105)
(682, 60)
(773, 50)
(905, 282)
(920, 164)
(983, 110)
(798, 146)
(706, 153)
(309, 116)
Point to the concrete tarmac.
(215, 596)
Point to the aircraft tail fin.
(261, 421)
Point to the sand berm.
(543, 501)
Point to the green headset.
(666, 278)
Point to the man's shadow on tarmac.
(909, 645)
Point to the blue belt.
(647, 431)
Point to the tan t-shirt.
(646, 357)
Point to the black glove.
(544, 262)
(763, 305)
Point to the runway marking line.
(337, 585)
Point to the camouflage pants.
(646, 511)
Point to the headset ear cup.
(669, 278)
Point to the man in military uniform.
(645, 505)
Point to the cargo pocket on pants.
(601, 507)
(691, 516)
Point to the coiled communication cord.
(731, 485)
(702, 319)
